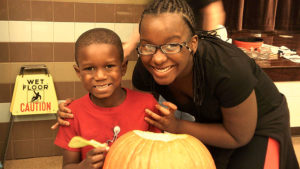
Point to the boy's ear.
(124, 67)
(77, 70)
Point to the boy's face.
(100, 70)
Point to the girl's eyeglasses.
(171, 48)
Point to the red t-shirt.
(93, 122)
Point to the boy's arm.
(71, 159)
(94, 159)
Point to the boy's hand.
(94, 158)
(62, 113)
(166, 120)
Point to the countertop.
(279, 69)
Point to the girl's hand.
(94, 158)
(62, 113)
(166, 120)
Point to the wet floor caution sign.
(34, 92)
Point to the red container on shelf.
(248, 43)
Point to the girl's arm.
(213, 15)
(237, 129)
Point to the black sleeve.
(199, 4)
(141, 78)
(230, 73)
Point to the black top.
(198, 4)
(229, 77)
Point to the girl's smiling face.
(163, 29)
(100, 69)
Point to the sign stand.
(34, 94)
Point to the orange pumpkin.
(146, 150)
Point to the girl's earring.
(191, 51)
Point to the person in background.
(210, 15)
(108, 110)
(239, 113)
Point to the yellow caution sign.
(34, 92)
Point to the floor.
(55, 162)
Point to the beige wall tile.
(110, 26)
(130, 68)
(19, 31)
(294, 107)
(4, 33)
(14, 70)
(25, 31)
(5, 69)
(64, 72)
(64, 32)
(82, 27)
(289, 88)
(5, 113)
(124, 30)
(42, 31)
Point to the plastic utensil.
(79, 142)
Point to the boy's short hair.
(98, 36)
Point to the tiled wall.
(29, 139)
(292, 94)
(44, 32)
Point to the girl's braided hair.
(181, 7)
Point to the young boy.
(108, 110)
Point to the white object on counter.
(284, 52)
(289, 54)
